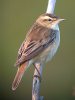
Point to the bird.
(39, 46)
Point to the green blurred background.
(16, 17)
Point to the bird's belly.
(49, 52)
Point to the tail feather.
(18, 77)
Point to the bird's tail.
(19, 75)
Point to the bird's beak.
(56, 21)
(59, 20)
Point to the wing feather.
(31, 47)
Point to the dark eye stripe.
(47, 19)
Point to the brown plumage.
(19, 75)
(37, 45)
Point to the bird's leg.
(39, 74)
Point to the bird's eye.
(49, 19)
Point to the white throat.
(55, 27)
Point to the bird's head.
(49, 20)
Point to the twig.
(36, 82)
(51, 6)
(39, 67)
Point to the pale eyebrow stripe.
(46, 17)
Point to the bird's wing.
(36, 41)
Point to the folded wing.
(36, 41)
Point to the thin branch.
(38, 66)
(51, 6)
(36, 82)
